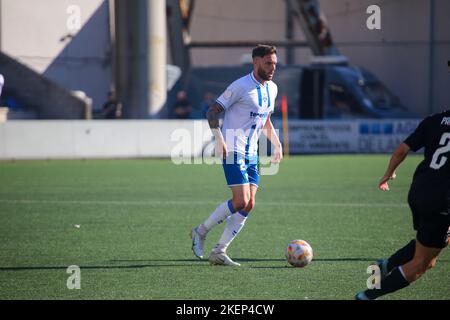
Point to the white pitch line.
(199, 202)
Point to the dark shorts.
(430, 205)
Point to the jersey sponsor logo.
(256, 114)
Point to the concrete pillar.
(131, 57)
(157, 22)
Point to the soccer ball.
(299, 253)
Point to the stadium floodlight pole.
(112, 37)
(290, 57)
(157, 24)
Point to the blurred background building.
(93, 47)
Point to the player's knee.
(240, 204)
(416, 273)
(421, 266)
(250, 205)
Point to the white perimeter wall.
(182, 140)
(100, 139)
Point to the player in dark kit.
(429, 200)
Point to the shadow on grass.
(318, 259)
(184, 263)
(255, 260)
(194, 262)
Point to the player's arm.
(271, 134)
(397, 157)
(212, 115)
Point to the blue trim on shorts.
(240, 170)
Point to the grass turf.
(135, 217)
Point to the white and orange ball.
(299, 253)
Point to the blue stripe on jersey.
(268, 94)
(259, 96)
(249, 139)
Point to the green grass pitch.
(135, 216)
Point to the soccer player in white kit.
(248, 103)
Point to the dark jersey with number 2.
(433, 134)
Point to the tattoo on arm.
(213, 115)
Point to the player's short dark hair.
(262, 50)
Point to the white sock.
(220, 214)
(235, 223)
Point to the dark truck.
(328, 88)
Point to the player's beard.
(263, 75)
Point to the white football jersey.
(2, 82)
(247, 105)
